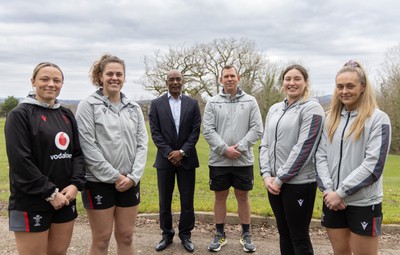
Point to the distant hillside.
(76, 102)
(325, 101)
(145, 104)
(73, 104)
(69, 102)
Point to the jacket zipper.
(341, 150)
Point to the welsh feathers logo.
(62, 141)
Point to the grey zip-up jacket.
(354, 168)
(289, 142)
(114, 141)
(228, 121)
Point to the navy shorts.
(23, 221)
(99, 195)
(361, 220)
(222, 178)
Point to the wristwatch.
(52, 196)
(182, 152)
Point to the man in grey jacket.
(232, 125)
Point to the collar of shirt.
(171, 97)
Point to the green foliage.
(389, 94)
(204, 198)
(391, 190)
(4, 184)
(10, 103)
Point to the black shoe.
(165, 241)
(188, 244)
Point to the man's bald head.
(174, 73)
(174, 82)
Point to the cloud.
(320, 34)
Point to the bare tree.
(389, 94)
(267, 91)
(201, 66)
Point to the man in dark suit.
(175, 128)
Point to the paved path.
(148, 234)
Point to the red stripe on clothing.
(27, 229)
(373, 226)
(90, 200)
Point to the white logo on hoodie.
(62, 142)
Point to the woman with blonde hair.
(46, 166)
(292, 131)
(350, 162)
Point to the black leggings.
(293, 209)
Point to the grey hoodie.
(290, 139)
(354, 168)
(114, 141)
(228, 121)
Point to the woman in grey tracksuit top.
(113, 138)
(292, 130)
(350, 161)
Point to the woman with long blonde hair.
(350, 161)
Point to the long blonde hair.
(366, 103)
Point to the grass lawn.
(204, 198)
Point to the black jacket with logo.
(43, 152)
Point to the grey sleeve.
(264, 160)
(217, 144)
(312, 119)
(255, 131)
(95, 161)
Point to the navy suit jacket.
(164, 134)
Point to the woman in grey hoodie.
(350, 161)
(292, 131)
(113, 137)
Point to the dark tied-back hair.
(99, 66)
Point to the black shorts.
(222, 178)
(23, 221)
(361, 220)
(99, 195)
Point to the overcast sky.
(322, 35)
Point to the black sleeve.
(24, 175)
(190, 143)
(155, 128)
